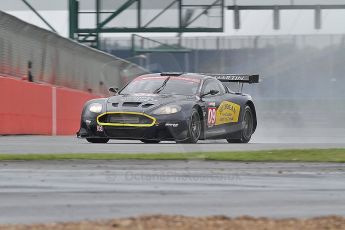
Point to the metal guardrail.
(57, 60)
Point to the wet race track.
(289, 139)
(46, 191)
(74, 190)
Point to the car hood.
(144, 102)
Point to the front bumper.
(166, 127)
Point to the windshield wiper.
(158, 90)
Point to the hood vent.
(147, 105)
(131, 104)
(115, 104)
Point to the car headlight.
(95, 107)
(168, 109)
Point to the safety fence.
(27, 51)
(31, 108)
(290, 67)
(319, 41)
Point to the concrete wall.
(42, 109)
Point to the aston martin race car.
(181, 107)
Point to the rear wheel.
(194, 128)
(247, 131)
(150, 141)
(98, 140)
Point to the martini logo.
(232, 77)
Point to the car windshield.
(163, 85)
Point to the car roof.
(185, 75)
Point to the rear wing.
(240, 78)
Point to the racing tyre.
(98, 140)
(247, 131)
(150, 141)
(194, 128)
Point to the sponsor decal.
(165, 77)
(212, 104)
(149, 78)
(99, 128)
(232, 77)
(174, 125)
(211, 117)
(227, 112)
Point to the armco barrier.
(31, 108)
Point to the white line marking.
(54, 119)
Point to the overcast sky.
(252, 22)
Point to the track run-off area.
(70, 190)
(50, 191)
(70, 144)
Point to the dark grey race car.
(183, 107)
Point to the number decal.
(211, 118)
(99, 128)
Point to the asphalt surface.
(262, 140)
(50, 191)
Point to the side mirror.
(113, 90)
(211, 92)
(214, 92)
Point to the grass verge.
(289, 155)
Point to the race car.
(181, 107)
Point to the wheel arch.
(198, 108)
(252, 107)
(201, 114)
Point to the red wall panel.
(69, 106)
(27, 108)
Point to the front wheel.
(247, 131)
(97, 140)
(194, 128)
